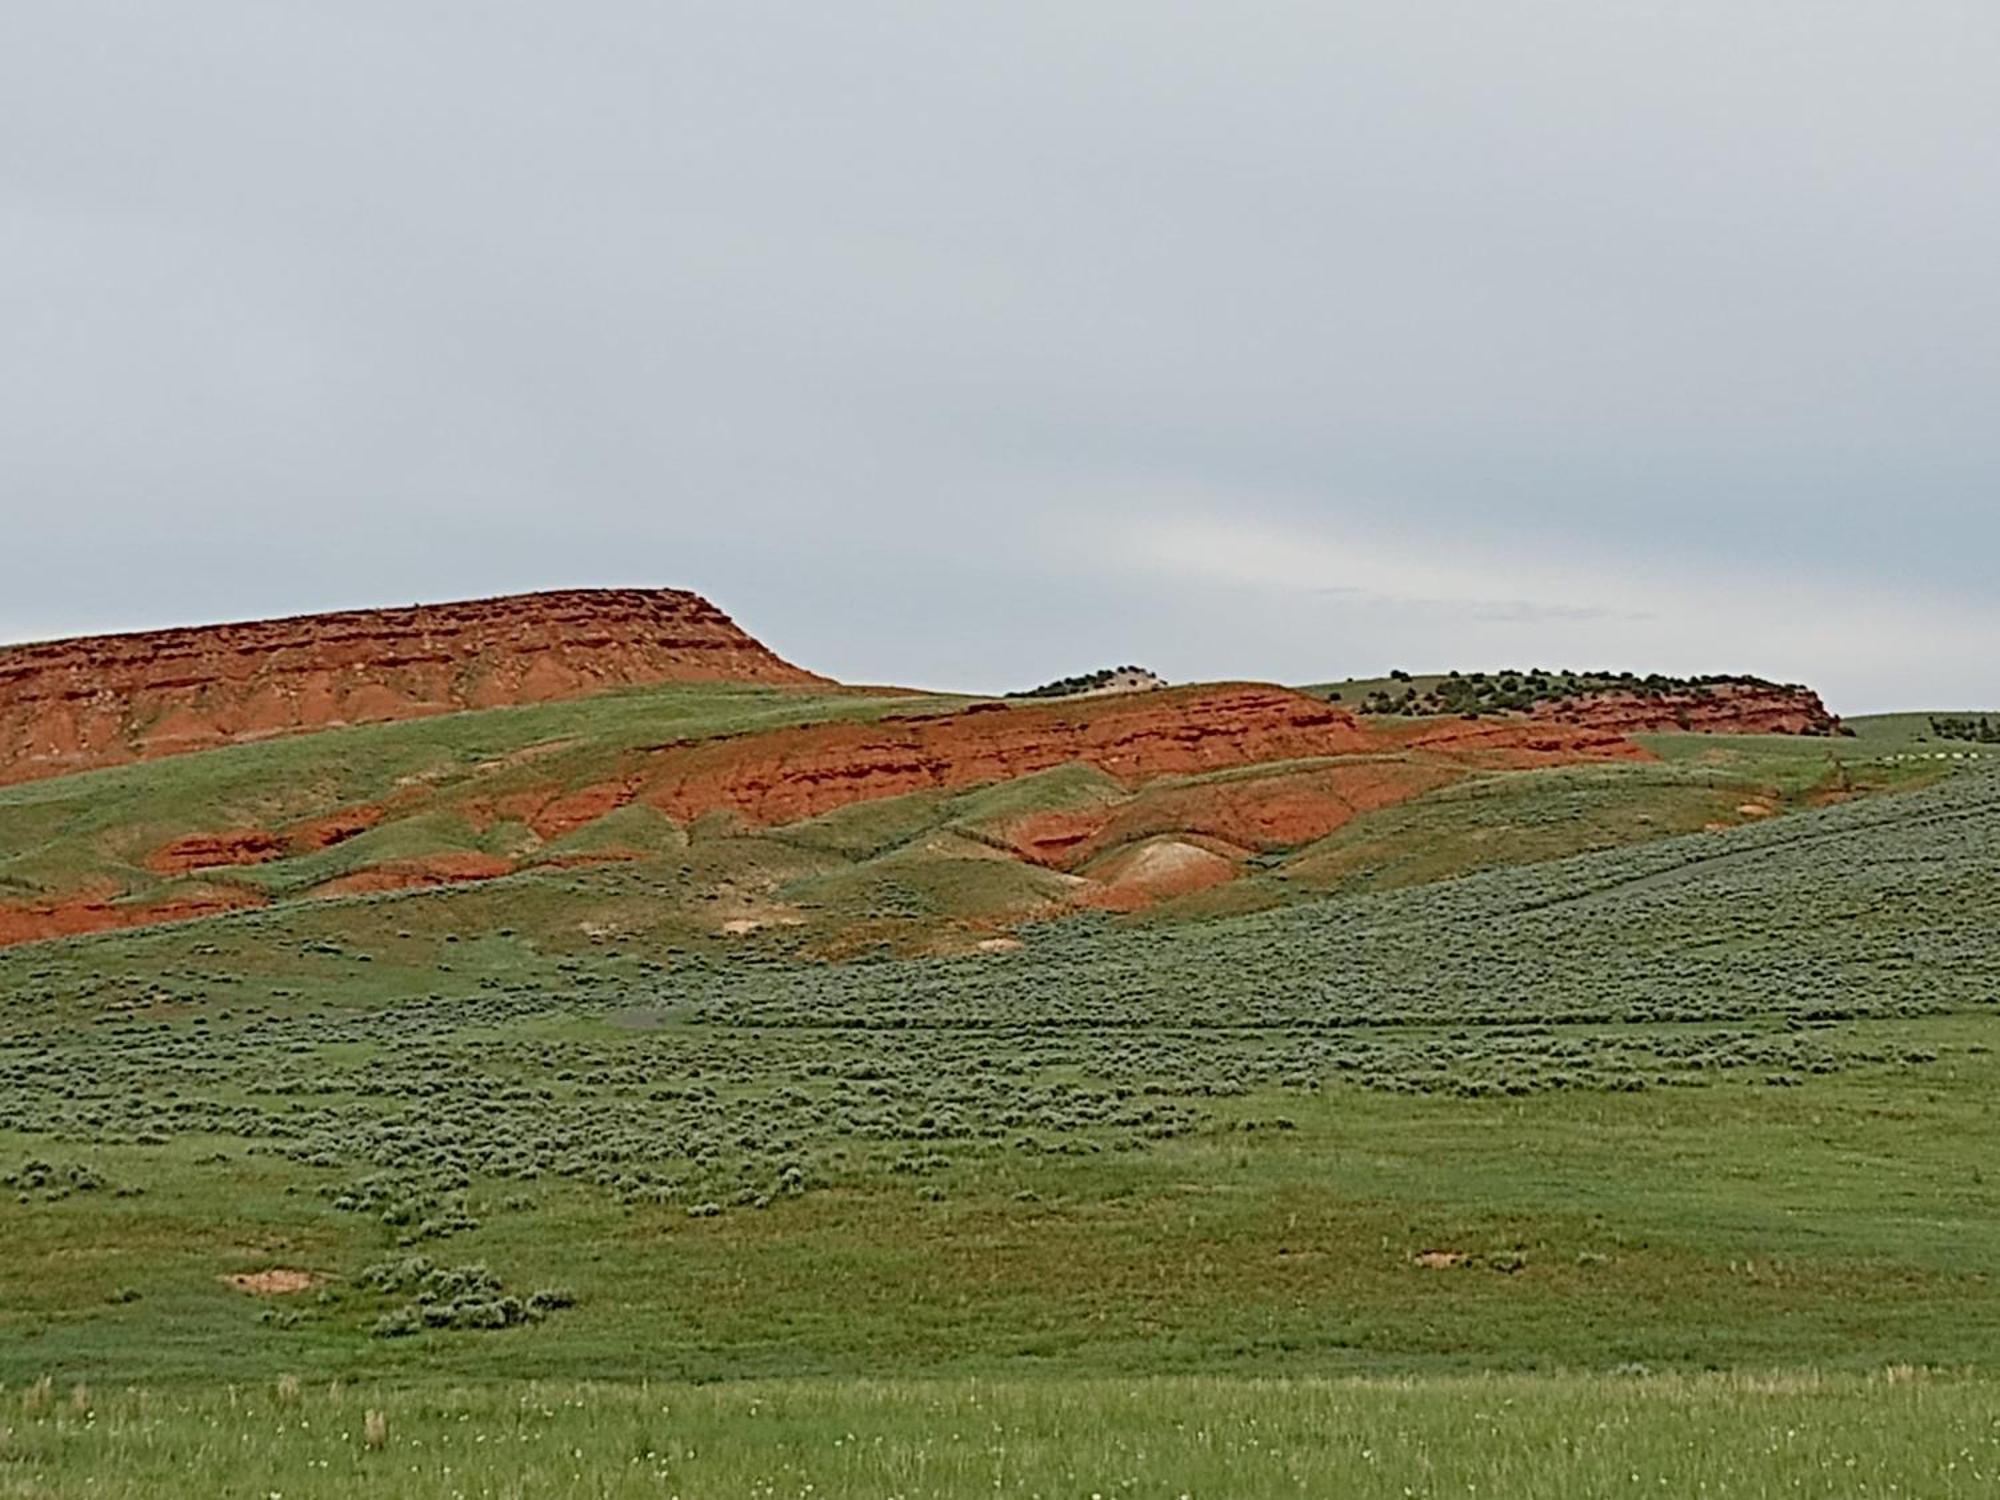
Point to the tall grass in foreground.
(1798, 1434)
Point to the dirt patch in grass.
(277, 1281)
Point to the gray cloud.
(897, 328)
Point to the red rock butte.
(94, 701)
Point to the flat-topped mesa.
(96, 701)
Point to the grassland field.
(1897, 1433)
(1558, 1133)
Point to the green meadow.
(1899, 1432)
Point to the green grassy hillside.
(1669, 1103)
(58, 834)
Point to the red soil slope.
(97, 911)
(1278, 809)
(799, 773)
(783, 776)
(102, 700)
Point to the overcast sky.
(970, 345)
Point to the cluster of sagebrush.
(1982, 730)
(1477, 693)
(460, 1297)
(48, 1182)
(413, 1206)
(1082, 682)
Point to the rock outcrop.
(96, 701)
(1721, 708)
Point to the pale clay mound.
(1168, 866)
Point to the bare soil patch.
(278, 1281)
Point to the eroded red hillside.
(1278, 808)
(103, 700)
(99, 910)
(785, 775)
(1271, 769)
(791, 774)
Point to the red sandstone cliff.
(102, 700)
(1720, 708)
